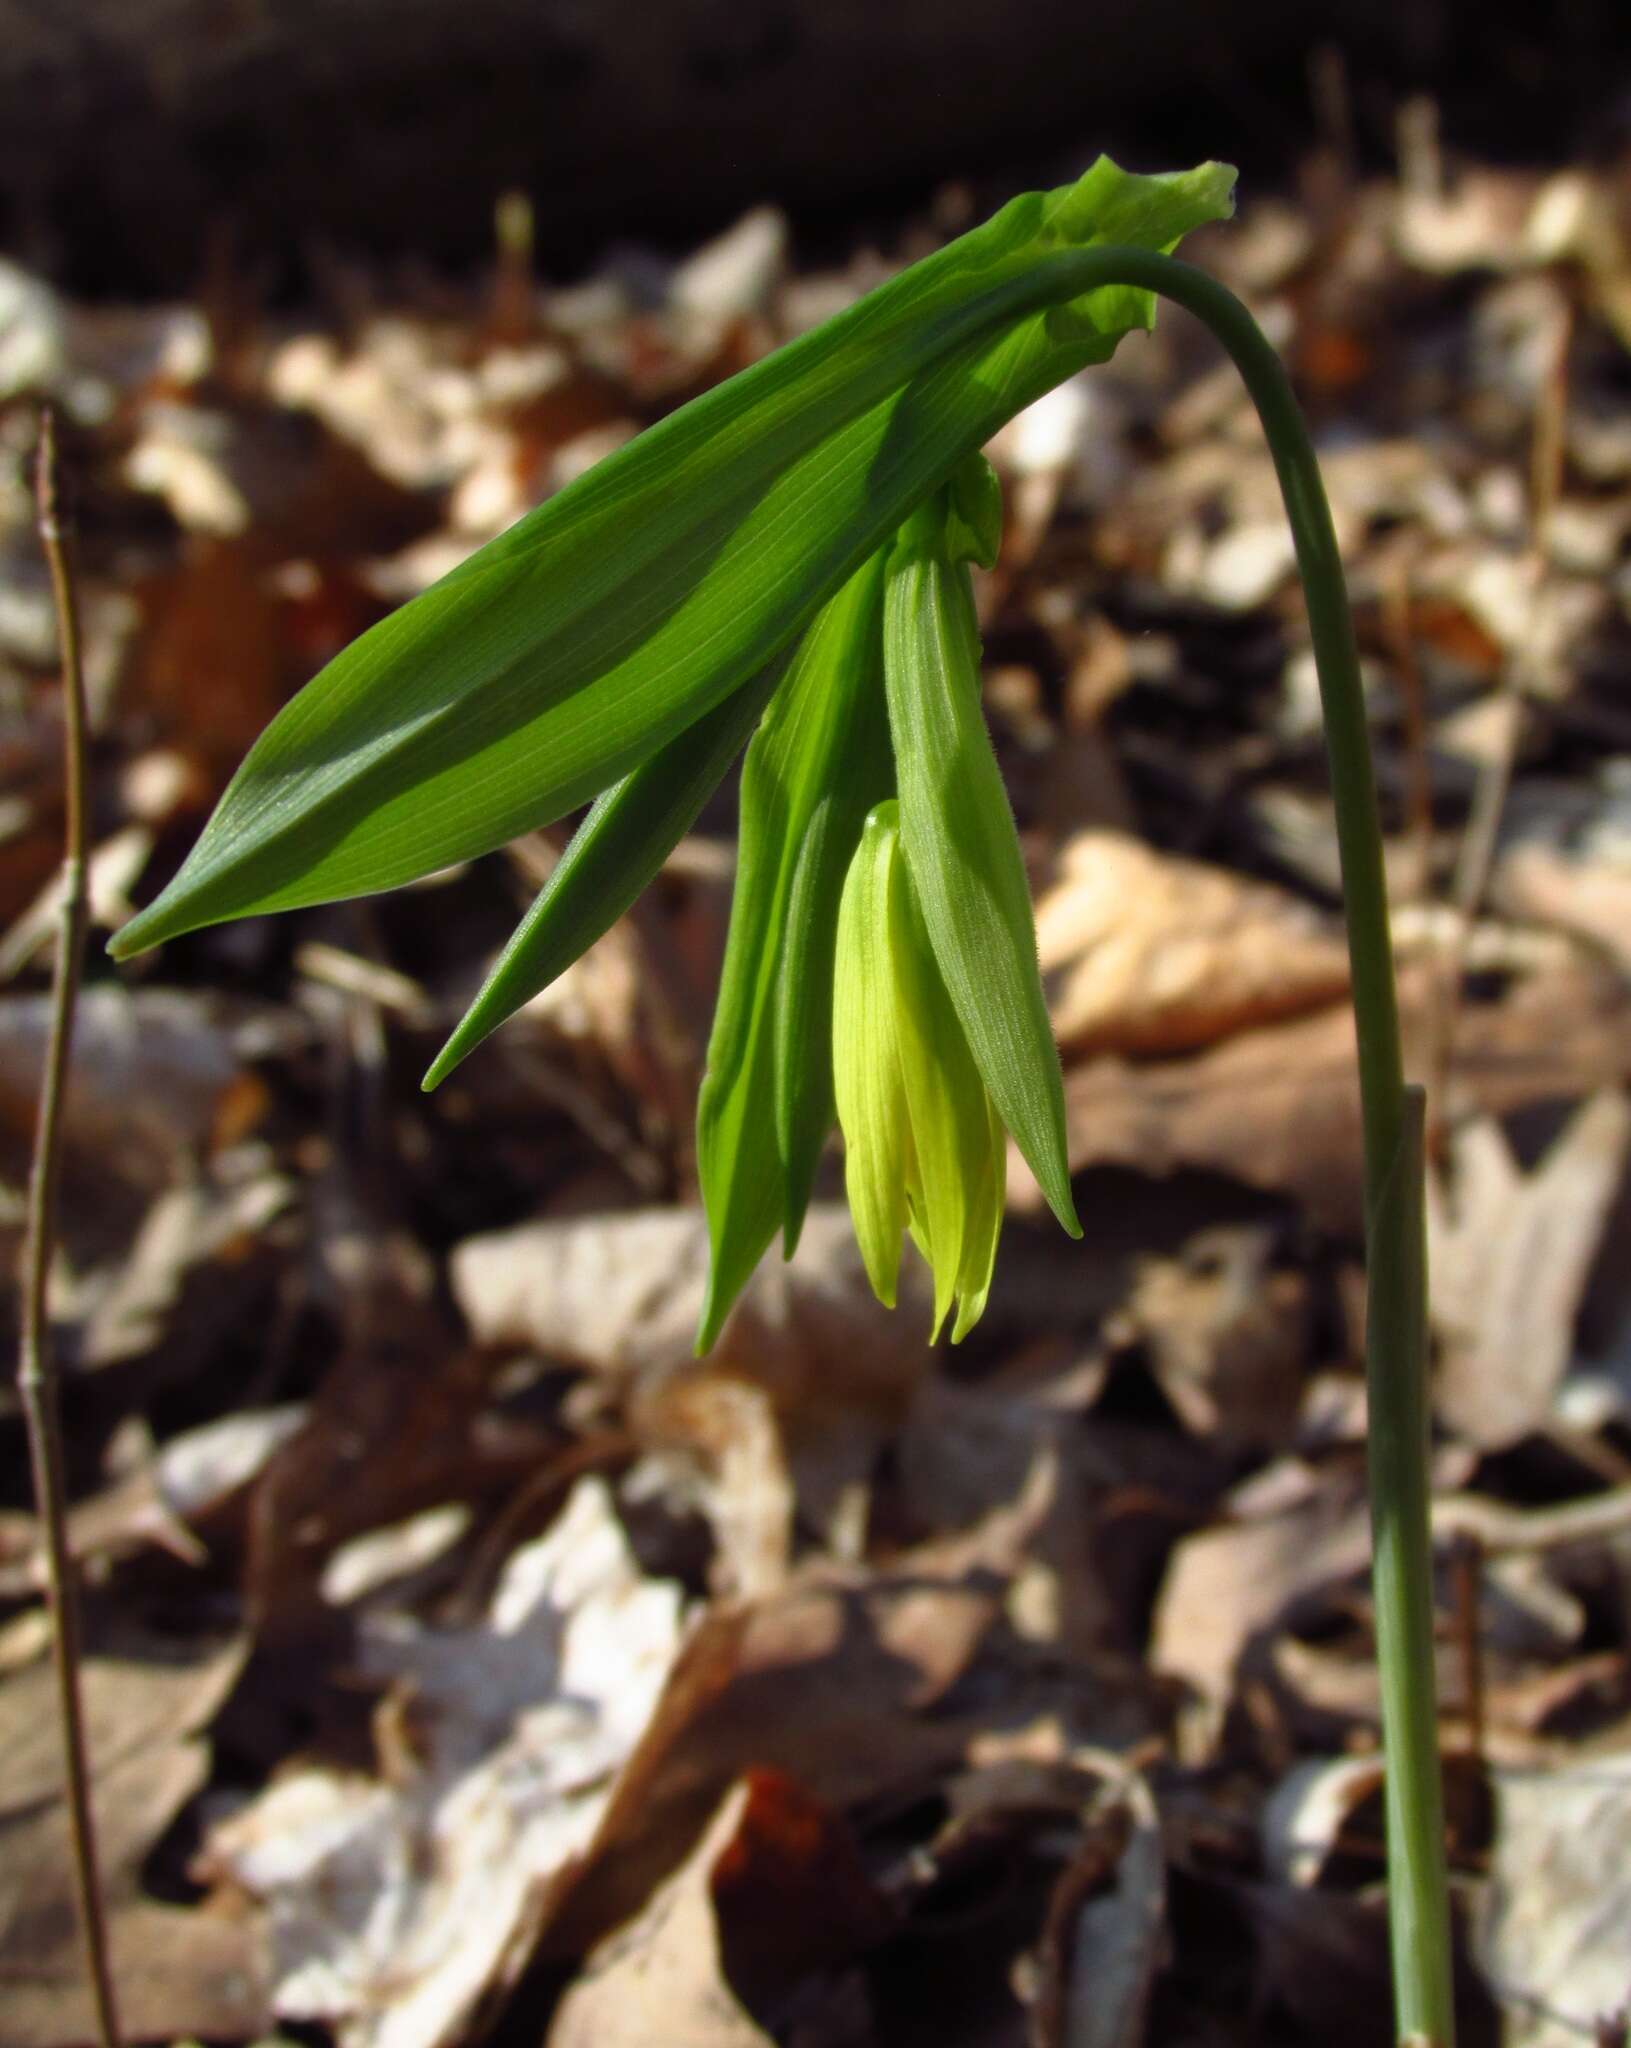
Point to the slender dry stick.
(1476, 860)
(36, 1370)
(1466, 1581)
(1413, 697)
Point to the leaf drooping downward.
(960, 843)
(612, 618)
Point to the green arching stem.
(1396, 1331)
(1401, 1575)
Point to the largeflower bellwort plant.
(783, 566)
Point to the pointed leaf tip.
(630, 831)
(607, 621)
(766, 1107)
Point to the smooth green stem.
(1396, 1334)
(1402, 1576)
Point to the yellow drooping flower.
(924, 1146)
(779, 565)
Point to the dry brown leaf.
(1227, 1333)
(153, 1069)
(397, 1903)
(393, 1557)
(1580, 218)
(1305, 1817)
(848, 1683)
(1477, 223)
(662, 1978)
(395, 1427)
(1540, 618)
(747, 1492)
(1278, 1107)
(1580, 892)
(775, 1889)
(209, 665)
(180, 1974)
(191, 1483)
(968, 1451)
(1510, 1253)
(199, 1261)
(1147, 953)
(835, 1684)
(1107, 1927)
(140, 1704)
(1227, 1586)
(1551, 1935)
(188, 1972)
(620, 1295)
(111, 872)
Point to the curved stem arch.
(1396, 1324)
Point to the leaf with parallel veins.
(629, 605)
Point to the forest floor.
(467, 1660)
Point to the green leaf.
(847, 769)
(818, 751)
(625, 608)
(614, 853)
(974, 513)
(961, 846)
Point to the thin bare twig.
(1466, 1590)
(1479, 844)
(36, 1371)
(1502, 1530)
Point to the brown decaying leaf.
(180, 1970)
(1227, 1586)
(774, 1890)
(399, 1902)
(1278, 1107)
(1107, 1926)
(1510, 1253)
(1552, 1919)
(846, 1681)
(1226, 1330)
(620, 1294)
(152, 1066)
(1576, 893)
(1146, 953)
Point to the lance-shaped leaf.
(621, 611)
(923, 1146)
(614, 853)
(847, 767)
(821, 753)
(958, 831)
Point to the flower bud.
(924, 1147)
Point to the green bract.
(790, 544)
(955, 821)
